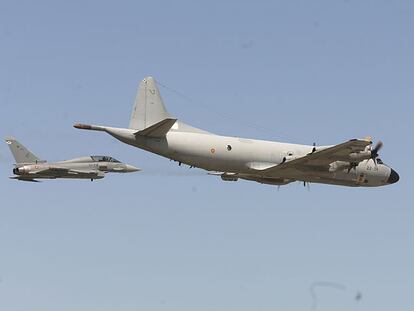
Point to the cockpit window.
(104, 159)
(379, 161)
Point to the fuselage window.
(228, 147)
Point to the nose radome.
(394, 177)
(131, 169)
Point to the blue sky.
(168, 238)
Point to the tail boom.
(82, 126)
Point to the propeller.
(375, 150)
(374, 154)
(352, 166)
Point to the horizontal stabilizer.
(159, 129)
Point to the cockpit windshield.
(379, 161)
(104, 159)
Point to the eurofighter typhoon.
(353, 163)
(29, 167)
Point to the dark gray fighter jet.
(29, 167)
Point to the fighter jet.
(29, 167)
(352, 163)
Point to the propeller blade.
(352, 166)
(377, 148)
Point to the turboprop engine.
(368, 153)
(360, 156)
(338, 166)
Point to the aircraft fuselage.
(246, 156)
(152, 128)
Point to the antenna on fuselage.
(313, 149)
(227, 117)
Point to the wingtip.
(9, 138)
(368, 139)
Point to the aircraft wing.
(320, 159)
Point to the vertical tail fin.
(20, 153)
(148, 107)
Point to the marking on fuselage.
(361, 179)
(212, 150)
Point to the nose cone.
(394, 177)
(131, 169)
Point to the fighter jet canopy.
(104, 159)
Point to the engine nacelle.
(21, 170)
(338, 166)
(360, 156)
(26, 169)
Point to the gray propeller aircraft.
(152, 128)
(29, 167)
